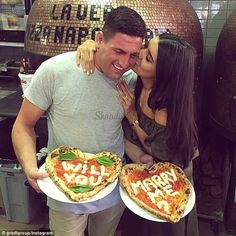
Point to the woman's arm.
(85, 56)
(136, 154)
(127, 100)
(142, 135)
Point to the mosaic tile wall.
(212, 15)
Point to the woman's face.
(145, 66)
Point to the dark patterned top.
(156, 139)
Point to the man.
(83, 112)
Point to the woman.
(159, 123)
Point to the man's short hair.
(124, 20)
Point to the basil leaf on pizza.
(67, 156)
(164, 190)
(104, 160)
(80, 188)
(79, 175)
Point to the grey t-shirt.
(82, 111)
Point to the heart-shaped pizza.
(79, 175)
(163, 190)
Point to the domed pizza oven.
(223, 85)
(58, 26)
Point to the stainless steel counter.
(10, 105)
(10, 96)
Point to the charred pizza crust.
(50, 168)
(176, 213)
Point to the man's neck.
(96, 63)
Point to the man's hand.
(32, 175)
(85, 56)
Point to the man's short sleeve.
(40, 90)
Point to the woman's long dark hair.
(173, 90)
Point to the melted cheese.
(81, 179)
(68, 166)
(77, 167)
(172, 173)
(84, 169)
(149, 183)
(163, 205)
(154, 195)
(103, 171)
(68, 177)
(94, 170)
(92, 181)
(168, 176)
(136, 185)
(158, 181)
(168, 189)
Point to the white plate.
(134, 207)
(51, 190)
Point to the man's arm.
(24, 141)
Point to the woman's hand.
(85, 56)
(147, 159)
(127, 100)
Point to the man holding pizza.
(82, 112)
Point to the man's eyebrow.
(119, 50)
(136, 54)
(122, 51)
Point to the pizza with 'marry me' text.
(163, 190)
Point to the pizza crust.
(174, 216)
(49, 166)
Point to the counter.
(10, 97)
(9, 83)
(10, 105)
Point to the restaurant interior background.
(214, 170)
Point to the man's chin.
(116, 76)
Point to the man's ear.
(99, 38)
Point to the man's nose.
(125, 61)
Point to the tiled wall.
(212, 15)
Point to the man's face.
(117, 55)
